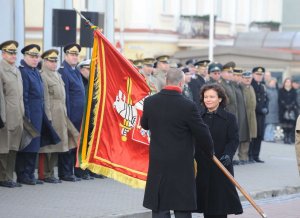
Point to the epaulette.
(21, 65)
(61, 67)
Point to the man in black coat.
(173, 121)
(261, 111)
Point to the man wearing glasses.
(12, 110)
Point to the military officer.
(11, 88)
(75, 100)
(214, 71)
(33, 97)
(226, 83)
(198, 80)
(186, 91)
(162, 66)
(261, 111)
(147, 71)
(84, 68)
(138, 64)
(55, 108)
(244, 137)
(250, 102)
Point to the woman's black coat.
(216, 195)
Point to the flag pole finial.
(94, 27)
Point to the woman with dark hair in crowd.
(217, 196)
(288, 110)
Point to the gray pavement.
(107, 198)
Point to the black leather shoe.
(70, 178)
(236, 162)
(98, 176)
(16, 184)
(39, 182)
(257, 160)
(7, 184)
(27, 181)
(52, 180)
(87, 177)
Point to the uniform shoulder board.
(61, 67)
(21, 65)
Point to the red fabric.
(174, 88)
(128, 157)
(41, 170)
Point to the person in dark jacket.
(75, 100)
(173, 121)
(288, 110)
(216, 195)
(33, 97)
(198, 80)
(261, 111)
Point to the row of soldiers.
(247, 98)
(52, 101)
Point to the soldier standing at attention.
(227, 84)
(12, 105)
(243, 126)
(250, 102)
(261, 111)
(33, 97)
(75, 100)
(55, 108)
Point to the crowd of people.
(264, 111)
(247, 105)
(49, 99)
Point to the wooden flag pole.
(242, 190)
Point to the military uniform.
(244, 137)
(33, 97)
(230, 90)
(75, 101)
(12, 106)
(160, 74)
(197, 82)
(55, 108)
(150, 79)
(261, 111)
(250, 103)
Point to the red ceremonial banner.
(112, 141)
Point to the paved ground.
(107, 198)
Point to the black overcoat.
(216, 195)
(172, 121)
(262, 102)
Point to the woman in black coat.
(288, 110)
(216, 195)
